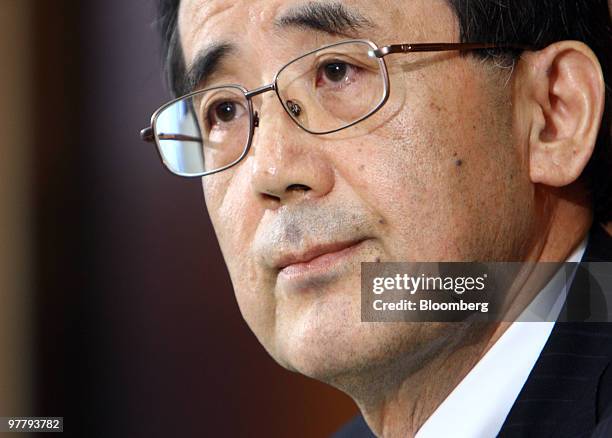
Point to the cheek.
(444, 173)
(235, 222)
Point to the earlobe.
(566, 102)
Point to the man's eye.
(224, 112)
(336, 73)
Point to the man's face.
(436, 175)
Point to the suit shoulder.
(355, 428)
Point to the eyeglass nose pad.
(294, 108)
(256, 119)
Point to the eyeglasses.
(323, 91)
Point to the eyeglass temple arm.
(442, 47)
(148, 136)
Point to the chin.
(348, 354)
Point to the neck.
(400, 408)
(397, 399)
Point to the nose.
(288, 164)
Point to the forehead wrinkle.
(240, 24)
(333, 18)
(195, 18)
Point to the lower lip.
(323, 264)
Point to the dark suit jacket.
(569, 390)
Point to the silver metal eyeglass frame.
(150, 134)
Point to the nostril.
(298, 187)
(270, 197)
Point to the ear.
(562, 100)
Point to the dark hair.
(531, 22)
(172, 54)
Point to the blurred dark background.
(118, 313)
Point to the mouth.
(317, 260)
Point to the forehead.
(253, 23)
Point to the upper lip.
(313, 252)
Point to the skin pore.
(455, 167)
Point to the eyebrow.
(205, 64)
(332, 18)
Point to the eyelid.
(218, 96)
(341, 57)
(333, 56)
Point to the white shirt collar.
(479, 405)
